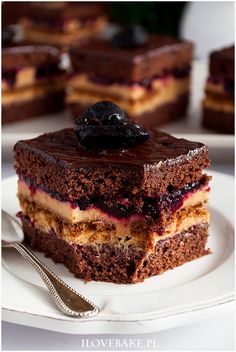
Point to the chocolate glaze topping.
(22, 54)
(158, 55)
(222, 64)
(62, 147)
(49, 10)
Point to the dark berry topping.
(103, 113)
(105, 126)
(130, 37)
(7, 35)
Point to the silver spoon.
(66, 298)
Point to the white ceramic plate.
(187, 128)
(194, 291)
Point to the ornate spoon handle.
(68, 300)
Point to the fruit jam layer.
(28, 75)
(177, 73)
(117, 233)
(124, 208)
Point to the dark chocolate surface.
(23, 54)
(159, 55)
(63, 147)
(58, 163)
(222, 63)
(49, 10)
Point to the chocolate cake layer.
(219, 121)
(23, 55)
(63, 10)
(161, 114)
(50, 102)
(159, 55)
(222, 63)
(57, 162)
(115, 264)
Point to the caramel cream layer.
(30, 93)
(26, 76)
(213, 103)
(168, 88)
(148, 102)
(66, 212)
(98, 232)
(215, 88)
(34, 34)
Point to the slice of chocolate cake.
(112, 201)
(62, 22)
(218, 104)
(147, 75)
(32, 82)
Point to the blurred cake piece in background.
(32, 81)
(147, 75)
(12, 11)
(218, 104)
(62, 23)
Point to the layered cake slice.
(147, 75)
(218, 104)
(62, 22)
(32, 81)
(112, 201)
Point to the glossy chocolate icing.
(63, 148)
(49, 10)
(24, 54)
(159, 54)
(222, 65)
(154, 46)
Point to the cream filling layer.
(215, 88)
(97, 232)
(226, 106)
(25, 94)
(168, 88)
(136, 107)
(26, 76)
(73, 216)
